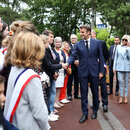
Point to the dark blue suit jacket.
(104, 50)
(110, 61)
(73, 66)
(88, 61)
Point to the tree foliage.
(61, 16)
(11, 10)
(64, 17)
(103, 34)
(117, 14)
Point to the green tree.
(38, 14)
(103, 34)
(63, 17)
(117, 14)
(11, 10)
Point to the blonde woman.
(62, 98)
(122, 66)
(24, 106)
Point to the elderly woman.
(60, 58)
(122, 66)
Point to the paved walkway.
(117, 118)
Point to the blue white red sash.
(20, 83)
(4, 50)
(104, 64)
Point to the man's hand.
(100, 75)
(55, 76)
(64, 66)
(76, 63)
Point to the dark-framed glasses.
(124, 40)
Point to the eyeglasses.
(124, 40)
(73, 38)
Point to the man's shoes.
(109, 93)
(105, 108)
(94, 115)
(116, 93)
(77, 97)
(70, 98)
(83, 118)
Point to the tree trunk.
(93, 14)
(110, 31)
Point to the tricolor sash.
(4, 50)
(20, 83)
(103, 65)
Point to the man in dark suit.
(89, 52)
(110, 62)
(74, 74)
(104, 94)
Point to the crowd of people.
(37, 72)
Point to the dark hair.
(47, 32)
(1, 32)
(88, 28)
(117, 37)
(4, 26)
(2, 79)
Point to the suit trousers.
(103, 89)
(74, 76)
(111, 75)
(84, 93)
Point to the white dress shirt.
(88, 43)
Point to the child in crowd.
(25, 106)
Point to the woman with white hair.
(122, 66)
(60, 58)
